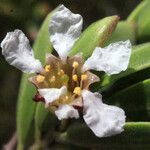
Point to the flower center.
(68, 75)
(57, 74)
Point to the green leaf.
(95, 35)
(143, 23)
(141, 17)
(135, 137)
(135, 100)
(45, 121)
(40, 114)
(124, 31)
(25, 110)
(26, 107)
(139, 62)
(136, 12)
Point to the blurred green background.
(28, 15)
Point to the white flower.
(64, 82)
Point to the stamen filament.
(74, 76)
(75, 79)
(83, 78)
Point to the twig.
(11, 143)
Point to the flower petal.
(17, 52)
(112, 59)
(52, 94)
(66, 111)
(65, 28)
(104, 120)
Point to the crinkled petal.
(104, 120)
(112, 59)
(66, 111)
(65, 28)
(17, 52)
(52, 94)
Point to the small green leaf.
(26, 106)
(95, 35)
(136, 12)
(45, 121)
(124, 31)
(40, 114)
(143, 23)
(25, 110)
(136, 136)
(140, 60)
(135, 100)
(141, 17)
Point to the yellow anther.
(40, 78)
(77, 91)
(52, 79)
(84, 77)
(61, 72)
(47, 68)
(65, 100)
(75, 77)
(67, 97)
(75, 64)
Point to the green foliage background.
(129, 90)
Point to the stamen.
(61, 72)
(75, 64)
(77, 91)
(65, 100)
(73, 97)
(67, 97)
(52, 79)
(40, 78)
(47, 68)
(75, 77)
(84, 77)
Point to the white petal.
(104, 120)
(112, 59)
(52, 94)
(17, 52)
(65, 28)
(66, 111)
